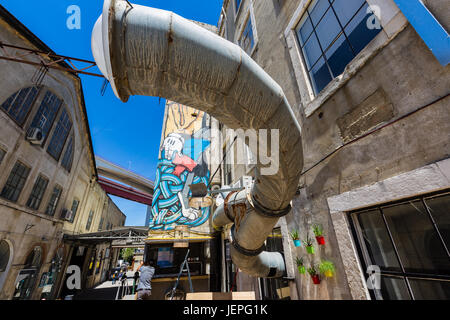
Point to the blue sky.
(125, 134)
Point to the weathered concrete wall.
(395, 76)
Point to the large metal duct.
(152, 52)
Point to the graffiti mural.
(182, 162)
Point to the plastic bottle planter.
(295, 238)
(320, 240)
(301, 269)
(327, 269)
(316, 279)
(318, 232)
(314, 275)
(309, 245)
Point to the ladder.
(185, 263)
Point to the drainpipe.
(152, 52)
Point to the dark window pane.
(416, 240)
(53, 203)
(317, 9)
(68, 155)
(47, 112)
(37, 193)
(15, 182)
(320, 75)
(312, 51)
(247, 41)
(339, 55)
(394, 289)
(59, 135)
(328, 29)
(89, 221)
(2, 155)
(238, 4)
(74, 209)
(440, 210)
(20, 103)
(430, 289)
(345, 9)
(357, 31)
(377, 241)
(305, 29)
(4, 255)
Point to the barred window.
(247, 41)
(60, 135)
(37, 193)
(331, 34)
(74, 209)
(238, 4)
(89, 221)
(67, 159)
(2, 155)
(409, 242)
(54, 199)
(19, 104)
(46, 113)
(16, 180)
(100, 225)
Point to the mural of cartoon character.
(182, 163)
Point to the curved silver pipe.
(152, 52)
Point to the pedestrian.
(136, 279)
(114, 277)
(144, 288)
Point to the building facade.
(48, 179)
(371, 95)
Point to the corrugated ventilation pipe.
(152, 52)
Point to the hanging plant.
(309, 245)
(295, 237)
(318, 232)
(301, 268)
(327, 268)
(314, 275)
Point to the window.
(2, 155)
(409, 242)
(331, 33)
(16, 180)
(59, 135)
(227, 168)
(19, 104)
(4, 255)
(47, 112)
(247, 41)
(37, 193)
(67, 159)
(74, 209)
(100, 225)
(237, 4)
(54, 199)
(89, 221)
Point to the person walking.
(115, 276)
(144, 288)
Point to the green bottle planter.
(301, 269)
(310, 249)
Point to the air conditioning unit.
(66, 214)
(35, 136)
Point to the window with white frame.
(247, 39)
(408, 242)
(331, 33)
